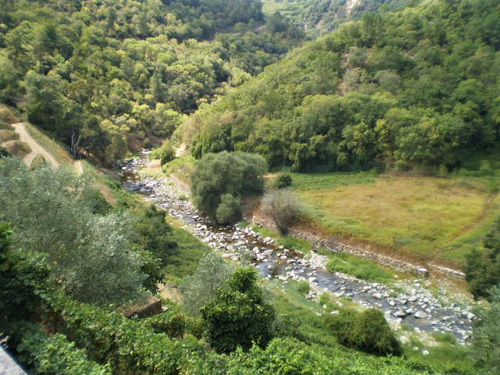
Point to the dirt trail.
(78, 166)
(36, 149)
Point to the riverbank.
(407, 302)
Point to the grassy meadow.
(425, 218)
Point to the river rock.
(420, 315)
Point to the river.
(408, 302)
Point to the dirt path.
(36, 149)
(79, 167)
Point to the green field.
(424, 218)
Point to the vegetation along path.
(36, 148)
(412, 303)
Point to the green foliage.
(367, 331)
(105, 76)
(283, 180)
(355, 100)
(55, 355)
(201, 287)
(238, 315)
(130, 346)
(21, 277)
(482, 269)
(303, 287)
(229, 210)
(154, 236)
(165, 153)
(445, 337)
(53, 214)
(360, 268)
(486, 344)
(216, 175)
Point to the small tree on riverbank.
(282, 207)
(223, 174)
(238, 315)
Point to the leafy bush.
(53, 213)
(283, 180)
(215, 175)
(486, 343)
(367, 331)
(482, 269)
(238, 315)
(229, 210)
(55, 355)
(154, 235)
(165, 153)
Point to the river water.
(408, 302)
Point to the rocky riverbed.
(408, 302)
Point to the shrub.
(229, 210)
(165, 153)
(200, 288)
(486, 343)
(53, 212)
(283, 180)
(367, 331)
(56, 355)
(282, 207)
(238, 315)
(482, 269)
(18, 148)
(238, 174)
(8, 135)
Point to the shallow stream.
(416, 306)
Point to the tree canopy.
(391, 90)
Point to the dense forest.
(105, 77)
(407, 86)
(414, 89)
(319, 16)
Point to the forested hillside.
(128, 270)
(415, 89)
(326, 15)
(105, 77)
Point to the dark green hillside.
(105, 77)
(415, 89)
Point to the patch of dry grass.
(422, 217)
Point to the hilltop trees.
(106, 77)
(398, 90)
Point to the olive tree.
(198, 289)
(53, 213)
